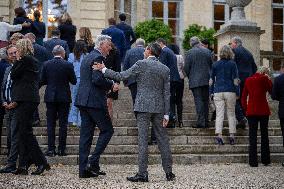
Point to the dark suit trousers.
(90, 118)
(56, 110)
(2, 113)
(12, 137)
(239, 110)
(176, 90)
(29, 150)
(253, 126)
(201, 100)
(282, 128)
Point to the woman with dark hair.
(67, 30)
(86, 36)
(112, 62)
(38, 28)
(25, 98)
(76, 58)
(179, 87)
(21, 18)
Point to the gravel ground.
(188, 176)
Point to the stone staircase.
(188, 145)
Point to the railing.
(274, 59)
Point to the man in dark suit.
(92, 102)
(169, 59)
(4, 63)
(131, 57)
(117, 36)
(55, 40)
(127, 30)
(278, 94)
(198, 63)
(57, 74)
(246, 68)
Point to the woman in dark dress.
(38, 28)
(67, 30)
(86, 36)
(112, 62)
(25, 98)
(21, 17)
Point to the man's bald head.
(31, 37)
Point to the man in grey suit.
(92, 102)
(198, 62)
(152, 104)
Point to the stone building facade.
(177, 13)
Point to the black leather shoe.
(88, 174)
(50, 153)
(8, 169)
(152, 142)
(170, 176)
(283, 164)
(61, 153)
(138, 178)
(21, 171)
(100, 172)
(180, 124)
(40, 169)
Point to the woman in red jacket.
(255, 104)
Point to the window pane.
(219, 12)
(173, 26)
(173, 9)
(277, 15)
(276, 64)
(217, 25)
(277, 1)
(278, 46)
(157, 9)
(277, 32)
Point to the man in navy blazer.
(168, 58)
(92, 102)
(55, 40)
(278, 94)
(127, 30)
(57, 74)
(117, 36)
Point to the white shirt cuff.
(104, 70)
(166, 117)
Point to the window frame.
(277, 6)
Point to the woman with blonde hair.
(67, 30)
(224, 86)
(86, 36)
(255, 105)
(25, 99)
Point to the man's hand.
(26, 24)
(165, 122)
(98, 66)
(12, 105)
(115, 87)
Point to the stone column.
(239, 26)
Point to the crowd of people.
(82, 79)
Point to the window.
(123, 6)
(53, 11)
(170, 13)
(221, 13)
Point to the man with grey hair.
(57, 74)
(198, 62)
(91, 100)
(246, 68)
(131, 57)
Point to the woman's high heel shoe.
(219, 141)
(180, 124)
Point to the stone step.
(174, 140)
(132, 131)
(156, 159)
(176, 149)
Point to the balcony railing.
(274, 59)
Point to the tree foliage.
(200, 31)
(151, 30)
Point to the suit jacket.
(254, 101)
(168, 58)
(51, 43)
(25, 76)
(3, 86)
(153, 85)
(41, 54)
(93, 86)
(131, 57)
(21, 20)
(68, 34)
(57, 74)
(117, 37)
(198, 62)
(245, 63)
(38, 29)
(278, 94)
(128, 33)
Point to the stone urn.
(238, 8)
